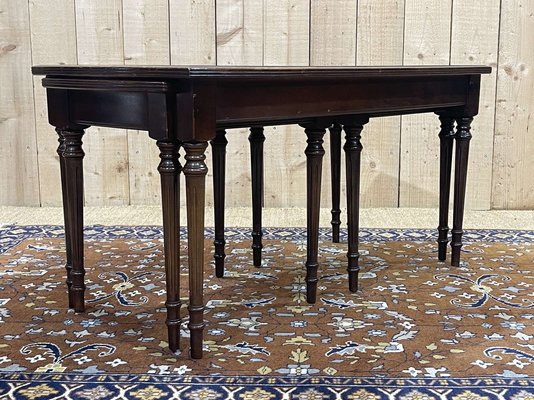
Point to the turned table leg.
(314, 156)
(71, 163)
(169, 169)
(446, 136)
(353, 149)
(195, 179)
(462, 138)
(218, 145)
(335, 164)
(68, 251)
(256, 139)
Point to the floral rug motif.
(417, 329)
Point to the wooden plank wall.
(18, 141)
(400, 159)
(513, 161)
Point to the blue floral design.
(54, 352)
(489, 352)
(484, 290)
(120, 288)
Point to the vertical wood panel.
(19, 175)
(239, 32)
(51, 22)
(426, 42)
(286, 42)
(287, 32)
(146, 32)
(146, 42)
(380, 32)
(100, 41)
(333, 32)
(380, 26)
(239, 42)
(475, 35)
(513, 161)
(192, 27)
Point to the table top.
(231, 73)
(211, 97)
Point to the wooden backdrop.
(400, 164)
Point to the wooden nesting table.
(186, 106)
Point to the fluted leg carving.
(335, 163)
(446, 137)
(353, 149)
(218, 145)
(195, 178)
(71, 162)
(256, 139)
(68, 263)
(314, 156)
(462, 138)
(169, 169)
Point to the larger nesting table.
(185, 106)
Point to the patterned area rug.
(417, 329)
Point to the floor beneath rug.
(413, 316)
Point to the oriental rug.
(417, 329)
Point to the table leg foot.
(195, 178)
(353, 148)
(72, 181)
(442, 243)
(218, 145)
(456, 247)
(196, 335)
(335, 164)
(169, 169)
(462, 138)
(173, 336)
(353, 271)
(314, 163)
(311, 290)
(446, 137)
(256, 139)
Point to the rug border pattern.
(11, 235)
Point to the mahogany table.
(186, 106)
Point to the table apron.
(183, 115)
(251, 102)
(147, 111)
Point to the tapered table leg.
(353, 149)
(169, 169)
(314, 156)
(72, 180)
(335, 164)
(446, 137)
(256, 139)
(68, 251)
(462, 138)
(195, 178)
(218, 145)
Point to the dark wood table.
(186, 106)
